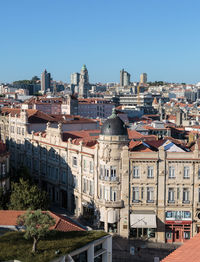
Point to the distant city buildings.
(45, 81)
(124, 78)
(143, 78)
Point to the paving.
(142, 251)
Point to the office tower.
(124, 78)
(45, 81)
(143, 78)
(84, 85)
(75, 78)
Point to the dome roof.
(114, 126)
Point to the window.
(199, 173)
(178, 193)
(101, 171)
(136, 172)
(91, 188)
(107, 194)
(18, 130)
(12, 129)
(171, 172)
(75, 182)
(22, 131)
(84, 185)
(74, 161)
(113, 172)
(186, 172)
(102, 192)
(168, 235)
(187, 234)
(113, 194)
(142, 193)
(150, 172)
(150, 192)
(91, 166)
(135, 197)
(3, 169)
(106, 173)
(186, 195)
(199, 195)
(171, 195)
(84, 165)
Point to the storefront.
(178, 226)
(88, 212)
(112, 218)
(143, 225)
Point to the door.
(177, 234)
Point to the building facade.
(4, 167)
(45, 81)
(75, 78)
(143, 78)
(135, 189)
(124, 78)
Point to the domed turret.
(114, 126)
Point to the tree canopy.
(37, 224)
(4, 198)
(25, 196)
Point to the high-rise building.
(124, 78)
(75, 78)
(143, 78)
(45, 81)
(84, 85)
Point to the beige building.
(142, 189)
(143, 78)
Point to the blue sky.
(159, 37)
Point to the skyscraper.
(124, 78)
(84, 85)
(75, 78)
(45, 81)
(143, 78)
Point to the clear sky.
(159, 37)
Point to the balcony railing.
(108, 178)
(186, 202)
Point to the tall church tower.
(84, 85)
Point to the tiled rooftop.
(188, 252)
(9, 218)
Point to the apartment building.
(95, 108)
(4, 167)
(140, 189)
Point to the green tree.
(37, 224)
(25, 196)
(21, 172)
(35, 79)
(4, 198)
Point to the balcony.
(112, 204)
(186, 201)
(171, 201)
(150, 201)
(110, 179)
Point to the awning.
(113, 216)
(102, 215)
(143, 221)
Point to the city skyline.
(155, 37)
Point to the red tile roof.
(188, 252)
(9, 218)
